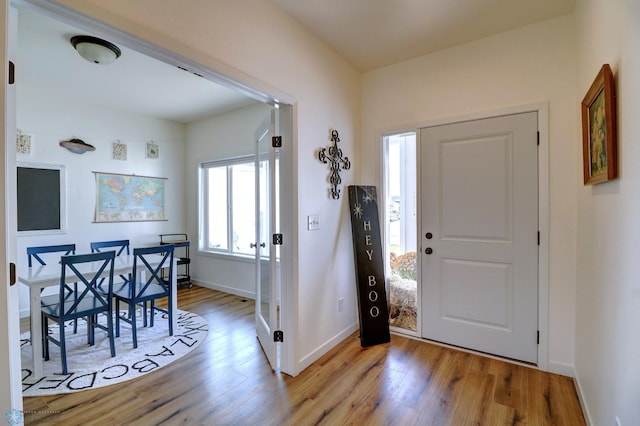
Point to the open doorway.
(182, 182)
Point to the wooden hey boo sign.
(367, 247)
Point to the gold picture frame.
(599, 141)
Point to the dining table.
(43, 276)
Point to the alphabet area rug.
(91, 367)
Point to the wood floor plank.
(227, 381)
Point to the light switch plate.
(313, 222)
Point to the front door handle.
(428, 250)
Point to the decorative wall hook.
(333, 156)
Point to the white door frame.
(542, 108)
(218, 72)
(11, 392)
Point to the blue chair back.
(154, 284)
(34, 252)
(88, 300)
(121, 245)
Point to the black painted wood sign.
(367, 247)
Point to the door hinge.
(277, 239)
(278, 336)
(538, 338)
(538, 237)
(12, 72)
(276, 141)
(12, 273)
(538, 138)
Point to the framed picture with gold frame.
(599, 141)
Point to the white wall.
(608, 294)
(50, 117)
(259, 40)
(223, 136)
(524, 66)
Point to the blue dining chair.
(120, 247)
(86, 303)
(148, 289)
(37, 253)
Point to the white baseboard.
(226, 289)
(312, 357)
(561, 368)
(581, 398)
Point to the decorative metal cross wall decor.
(333, 156)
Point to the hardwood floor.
(226, 381)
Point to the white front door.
(479, 235)
(267, 278)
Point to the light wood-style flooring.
(227, 381)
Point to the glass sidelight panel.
(401, 229)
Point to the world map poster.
(129, 198)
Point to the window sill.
(227, 256)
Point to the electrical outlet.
(340, 304)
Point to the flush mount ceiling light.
(95, 49)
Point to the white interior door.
(479, 226)
(267, 278)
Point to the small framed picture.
(23, 143)
(152, 150)
(119, 151)
(599, 141)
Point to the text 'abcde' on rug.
(92, 367)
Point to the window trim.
(204, 203)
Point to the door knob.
(428, 250)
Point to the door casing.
(542, 108)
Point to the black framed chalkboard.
(39, 193)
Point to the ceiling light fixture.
(95, 49)
(77, 146)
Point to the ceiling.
(374, 33)
(368, 33)
(134, 83)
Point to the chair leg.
(133, 327)
(75, 321)
(91, 330)
(63, 348)
(112, 344)
(45, 337)
(117, 323)
(144, 312)
(170, 315)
